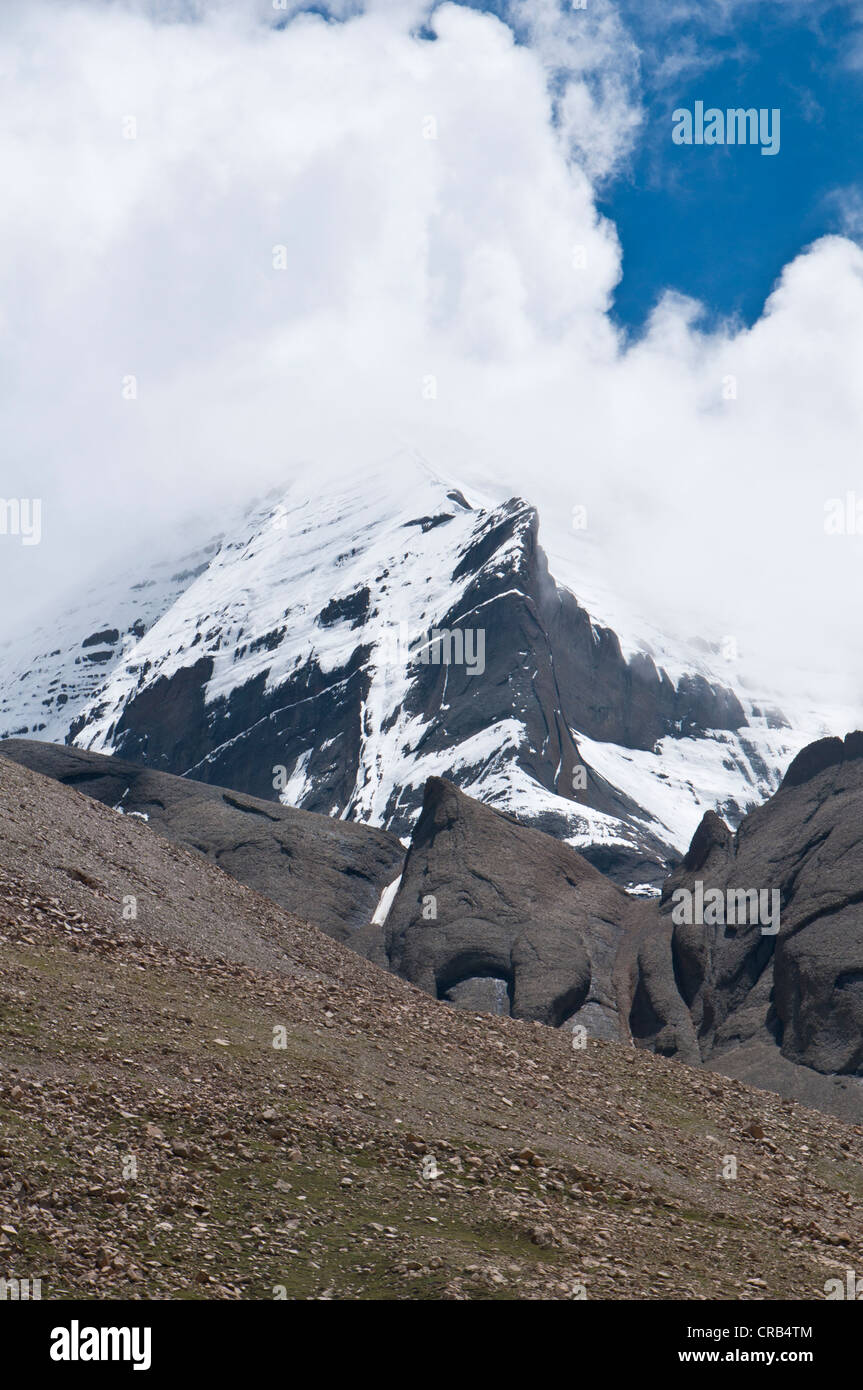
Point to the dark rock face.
(824, 753)
(239, 740)
(712, 834)
(547, 661)
(797, 995)
(484, 898)
(328, 872)
(109, 637)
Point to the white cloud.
(407, 257)
(594, 73)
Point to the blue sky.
(720, 223)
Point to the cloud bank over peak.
(313, 243)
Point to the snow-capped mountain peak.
(343, 643)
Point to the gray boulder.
(483, 898)
(794, 996)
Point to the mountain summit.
(344, 645)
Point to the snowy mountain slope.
(301, 661)
(49, 674)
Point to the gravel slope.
(299, 1170)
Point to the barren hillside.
(156, 1143)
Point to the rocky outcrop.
(786, 1003)
(329, 872)
(818, 756)
(490, 910)
(490, 915)
(496, 917)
